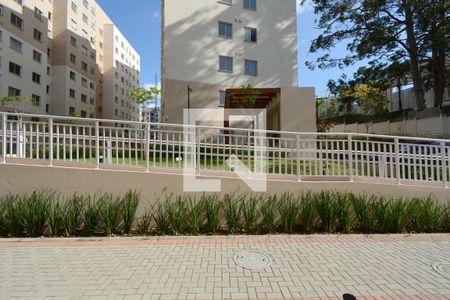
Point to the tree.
(386, 31)
(249, 96)
(16, 102)
(144, 96)
(371, 101)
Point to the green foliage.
(212, 210)
(288, 208)
(55, 219)
(72, 214)
(250, 213)
(268, 212)
(11, 215)
(233, 211)
(344, 212)
(161, 216)
(109, 210)
(196, 214)
(327, 210)
(426, 215)
(144, 95)
(364, 212)
(90, 213)
(308, 212)
(33, 211)
(144, 224)
(177, 213)
(248, 96)
(130, 203)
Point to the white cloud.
(306, 7)
(155, 16)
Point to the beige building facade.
(213, 46)
(56, 56)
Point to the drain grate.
(253, 260)
(443, 269)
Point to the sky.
(140, 21)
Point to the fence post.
(4, 138)
(397, 161)
(198, 149)
(249, 149)
(97, 145)
(444, 166)
(350, 157)
(299, 176)
(50, 142)
(147, 147)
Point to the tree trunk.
(419, 92)
(439, 45)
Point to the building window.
(73, 59)
(83, 98)
(1, 9)
(250, 34)
(250, 4)
(73, 41)
(91, 100)
(72, 111)
(84, 66)
(74, 7)
(84, 50)
(37, 56)
(92, 86)
(47, 90)
(36, 78)
(225, 64)
(48, 70)
(13, 92)
(84, 82)
(15, 44)
(85, 3)
(38, 14)
(15, 69)
(73, 24)
(35, 100)
(83, 114)
(37, 35)
(251, 67)
(72, 75)
(225, 30)
(17, 21)
(85, 19)
(72, 93)
(222, 95)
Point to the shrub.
(233, 211)
(425, 215)
(161, 217)
(364, 211)
(55, 219)
(250, 213)
(344, 212)
(177, 214)
(308, 212)
(327, 210)
(288, 206)
(109, 211)
(144, 224)
(11, 216)
(268, 212)
(33, 212)
(381, 210)
(398, 215)
(196, 215)
(90, 213)
(446, 218)
(212, 209)
(72, 214)
(130, 203)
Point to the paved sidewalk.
(304, 267)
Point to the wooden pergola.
(233, 98)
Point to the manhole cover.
(443, 269)
(253, 260)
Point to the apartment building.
(216, 47)
(151, 114)
(61, 56)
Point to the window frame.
(220, 63)
(227, 26)
(245, 67)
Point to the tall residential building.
(216, 46)
(62, 56)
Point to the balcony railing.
(95, 143)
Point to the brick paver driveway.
(303, 267)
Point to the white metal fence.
(96, 143)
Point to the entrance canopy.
(234, 97)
